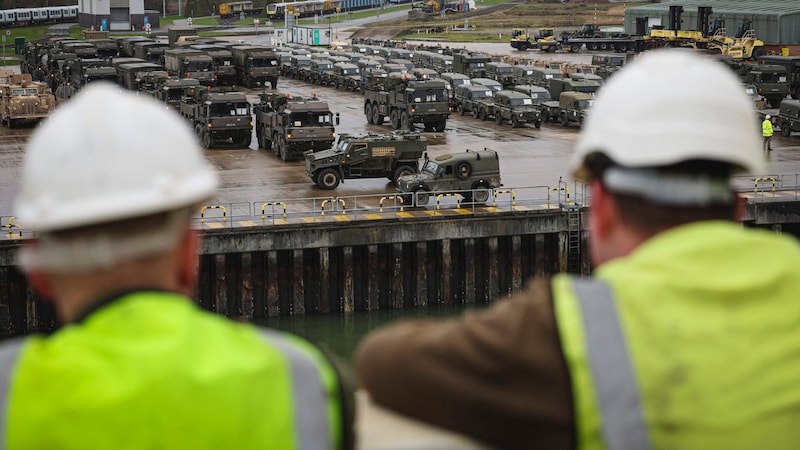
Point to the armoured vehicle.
(218, 116)
(472, 98)
(24, 100)
(190, 63)
(256, 65)
(406, 101)
(516, 108)
(366, 156)
(789, 118)
(501, 72)
(471, 64)
(570, 107)
(291, 125)
(472, 174)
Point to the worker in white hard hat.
(110, 182)
(687, 334)
(767, 132)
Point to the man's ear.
(40, 283)
(741, 208)
(603, 211)
(189, 245)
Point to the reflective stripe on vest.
(617, 392)
(308, 391)
(9, 352)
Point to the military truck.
(771, 80)
(166, 89)
(472, 65)
(190, 63)
(407, 101)
(129, 74)
(290, 126)
(366, 156)
(471, 174)
(789, 118)
(471, 97)
(23, 100)
(321, 71)
(792, 66)
(559, 85)
(347, 76)
(501, 72)
(176, 33)
(256, 64)
(86, 70)
(218, 115)
(570, 107)
(516, 108)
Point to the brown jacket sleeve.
(497, 375)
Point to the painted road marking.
(247, 223)
(309, 219)
(373, 216)
(342, 218)
(215, 225)
(404, 214)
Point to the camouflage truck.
(289, 126)
(218, 115)
(470, 98)
(23, 100)
(571, 107)
(406, 101)
(366, 156)
(190, 63)
(517, 108)
(256, 64)
(471, 174)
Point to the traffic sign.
(8, 32)
(189, 21)
(255, 23)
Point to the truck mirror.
(337, 119)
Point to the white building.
(113, 15)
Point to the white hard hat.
(668, 107)
(109, 155)
(768, 117)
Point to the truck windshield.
(521, 101)
(428, 96)
(230, 109)
(198, 67)
(264, 62)
(310, 119)
(482, 94)
(585, 103)
(430, 167)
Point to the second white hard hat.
(109, 155)
(768, 117)
(668, 107)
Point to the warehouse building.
(115, 15)
(776, 22)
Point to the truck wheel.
(368, 113)
(328, 179)
(405, 123)
(284, 149)
(785, 129)
(402, 171)
(551, 49)
(395, 118)
(276, 144)
(564, 120)
(245, 141)
(475, 112)
(758, 52)
(481, 194)
(422, 195)
(537, 124)
(377, 117)
(592, 46)
(463, 169)
(498, 118)
(460, 110)
(440, 125)
(575, 48)
(482, 114)
(205, 139)
(515, 122)
(264, 143)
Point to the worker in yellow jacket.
(110, 182)
(767, 132)
(686, 336)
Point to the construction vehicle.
(218, 115)
(23, 100)
(366, 156)
(407, 101)
(256, 64)
(545, 41)
(470, 174)
(289, 125)
(425, 8)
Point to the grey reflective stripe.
(9, 351)
(615, 384)
(309, 394)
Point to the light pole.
(164, 8)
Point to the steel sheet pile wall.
(336, 267)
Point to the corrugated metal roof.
(759, 7)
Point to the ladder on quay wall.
(573, 238)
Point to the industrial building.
(776, 22)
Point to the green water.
(340, 334)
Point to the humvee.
(366, 156)
(471, 174)
(789, 118)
